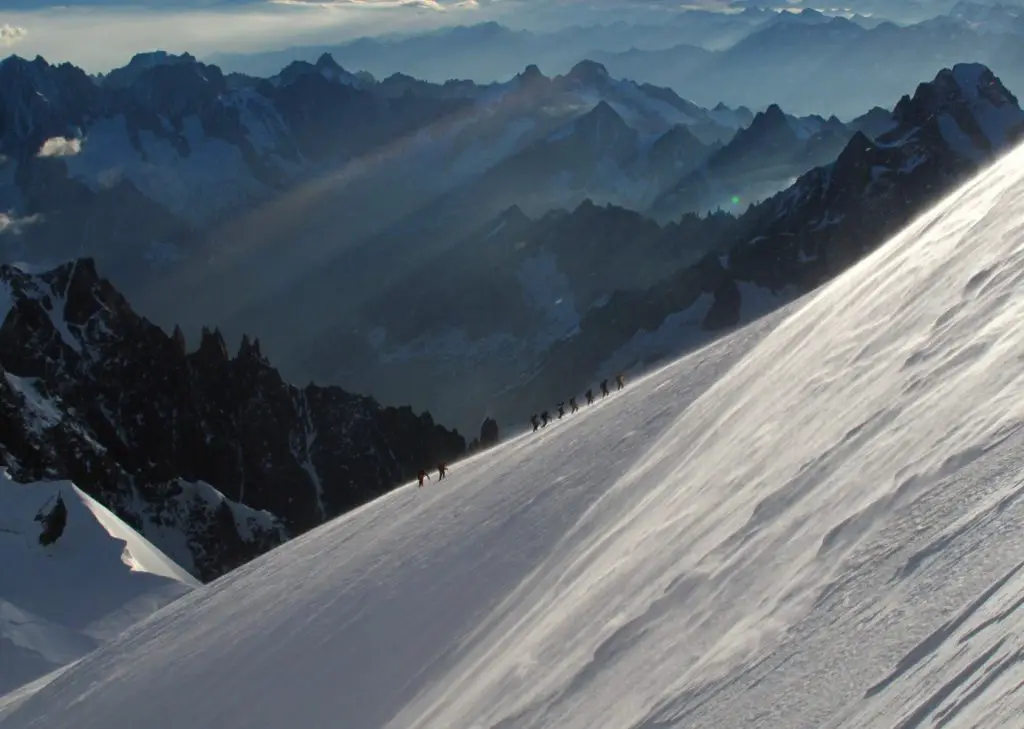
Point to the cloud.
(60, 147)
(11, 34)
(435, 5)
(13, 226)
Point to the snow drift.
(813, 523)
(58, 603)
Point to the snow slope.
(812, 523)
(60, 602)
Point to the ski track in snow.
(814, 522)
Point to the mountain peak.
(588, 73)
(326, 60)
(602, 123)
(969, 104)
(530, 78)
(325, 66)
(771, 121)
(806, 16)
(141, 63)
(531, 72)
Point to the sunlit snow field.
(812, 523)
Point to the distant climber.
(620, 380)
(54, 522)
(573, 407)
(561, 410)
(604, 388)
(422, 475)
(544, 418)
(534, 423)
(590, 396)
(442, 469)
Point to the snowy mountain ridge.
(811, 523)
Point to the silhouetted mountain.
(212, 457)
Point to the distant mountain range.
(490, 51)
(806, 62)
(832, 66)
(526, 311)
(284, 205)
(436, 245)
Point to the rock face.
(212, 457)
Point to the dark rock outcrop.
(488, 433)
(214, 451)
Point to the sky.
(69, 32)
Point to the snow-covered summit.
(812, 523)
(61, 601)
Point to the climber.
(534, 423)
(442, 469)
(620, 381)
(422, 475)
(561, 410)
(573, 407)
(604, 388)
(590, 396)
(544, 418)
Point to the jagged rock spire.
(179, 341)
(212, 346)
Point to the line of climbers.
(620, 381)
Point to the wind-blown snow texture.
(813, 523)
(58, 603)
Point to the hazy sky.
(100, 37)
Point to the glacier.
(812, 523)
